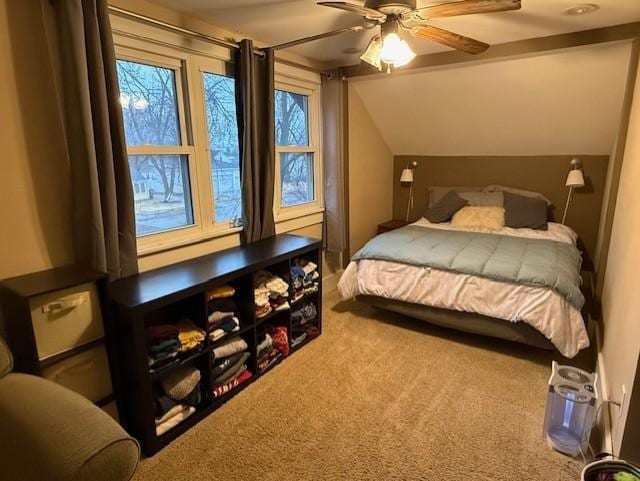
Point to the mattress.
(540, 307)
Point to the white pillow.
(479, 218)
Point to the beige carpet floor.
(379, 397)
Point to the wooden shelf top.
(181, 279)
(57, 279)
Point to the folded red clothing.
(280, 338)
(160, 332)
(225, 388)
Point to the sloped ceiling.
(564, 102)
(278, 21)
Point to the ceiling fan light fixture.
(372, 53)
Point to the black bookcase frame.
(181, 289)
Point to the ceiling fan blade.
(465, 7)
(293, 43)
(450, 39)
(369, 13)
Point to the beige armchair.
(48, 433)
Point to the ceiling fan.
(394, 16)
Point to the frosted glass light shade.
(395, 51)
(372, 54)
(406, 176)
(575, 178)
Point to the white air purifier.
(571, 408)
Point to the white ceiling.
(555, 103)
(277, 21)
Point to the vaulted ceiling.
(563, 102)
(278, 21)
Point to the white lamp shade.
(575, 178)
(406, 176)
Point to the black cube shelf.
(165, 294)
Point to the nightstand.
(391, 225)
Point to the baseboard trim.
(603, 390)
(330, 282)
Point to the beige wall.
(547, 103)
(370, 175)
(34, 187)
(620, 299)
(613, 175)
(545, 174)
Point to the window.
(224, 151)
(159, 169)
(182, 140)
(179, 110)
(296, 149)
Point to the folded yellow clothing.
(221, 292)
(189, 335)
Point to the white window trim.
(312, 90)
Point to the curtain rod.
(168, 26)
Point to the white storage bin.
(86, 373)
(66, 319)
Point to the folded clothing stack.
(222, 312)
(178, 398)
(273, 345)
(190, 336)
(271, 293)
(304, 278)
(166, 341)
(229, 365)
(163, 344)
(302, 325)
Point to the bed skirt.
(465, 321)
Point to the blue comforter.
(536, 262)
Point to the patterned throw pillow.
(479, 218)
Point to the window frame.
(188, 69)
(312, 91)
(143, 42)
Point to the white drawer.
(86, 373)
(66, 319)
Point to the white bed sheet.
(541, 307)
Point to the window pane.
(149, 105)
(222, 130)
(296, 172)
(292, 124)
(161, 192)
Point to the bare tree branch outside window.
(292, 129)
(150, 113)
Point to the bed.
(519, 284)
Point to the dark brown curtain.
(103, 213)
(256, 130)
(333, 113)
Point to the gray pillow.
(444, 209)
(436, 193)
(513, 190)
(483, 199)
(525, 212)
